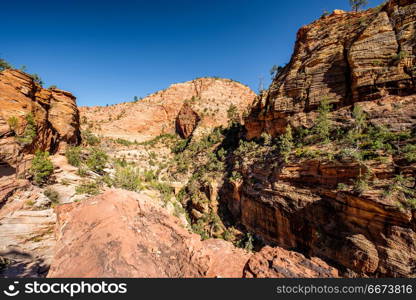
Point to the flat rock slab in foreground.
(125, 234)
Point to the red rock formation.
(280, 263)
(186, 121)
(54, 112)
(124, 234)
(345, 57)
(209, 98)
(367, 57)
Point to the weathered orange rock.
(125, 234)
(186, 121)
(54, 111)
(209, 98)
(346, 58)
(366, 58)
(280, 263)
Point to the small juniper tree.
(359, 116)
(4, 65)
(323, 123)
(358, 4)
(286, 143)
(275, 70)
(36, 78)
(42, 167)
(233, 115)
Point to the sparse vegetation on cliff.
(4, 65)
(30, 131)
(356, 5)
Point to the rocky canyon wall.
(366, 58)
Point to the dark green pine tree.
(358, 4)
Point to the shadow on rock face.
(18, 264)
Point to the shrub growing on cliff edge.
(36, 78)
(286, 143)
(358, 4)
(30, 131)
(323, 124)
(42, 167)
(4, 65)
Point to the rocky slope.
(31, 118)
(126, 234)
(348, 197)
(178, 109)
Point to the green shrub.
(97, 160)
(82, 171)
(30, 131)
(127, 178)
(165, 190)
(361, 184)
(232, 114)
(73, 155)
(286, 144)
(358, 4)
(342, 187)
(88, 188)
(13, 123)
(52, 195)
(360, 119)
(124, 142)
(4, 65)
(410, 153)
(42, 167)
(180, 146)
(36, 78)
(89, 138)
(247, 242)
(323, 124)
(350, 153)
(399, 56)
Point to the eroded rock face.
(124, 234)
(345, 57)
(208, 98)
(186, 121)
(280, 263)
(366, 57)
(299, 206)
(54, 112)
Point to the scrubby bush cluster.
(42, 168)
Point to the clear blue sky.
(107, 52)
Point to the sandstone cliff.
(33, 118)
(345, 57)
(321, 198)
(180, 108)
